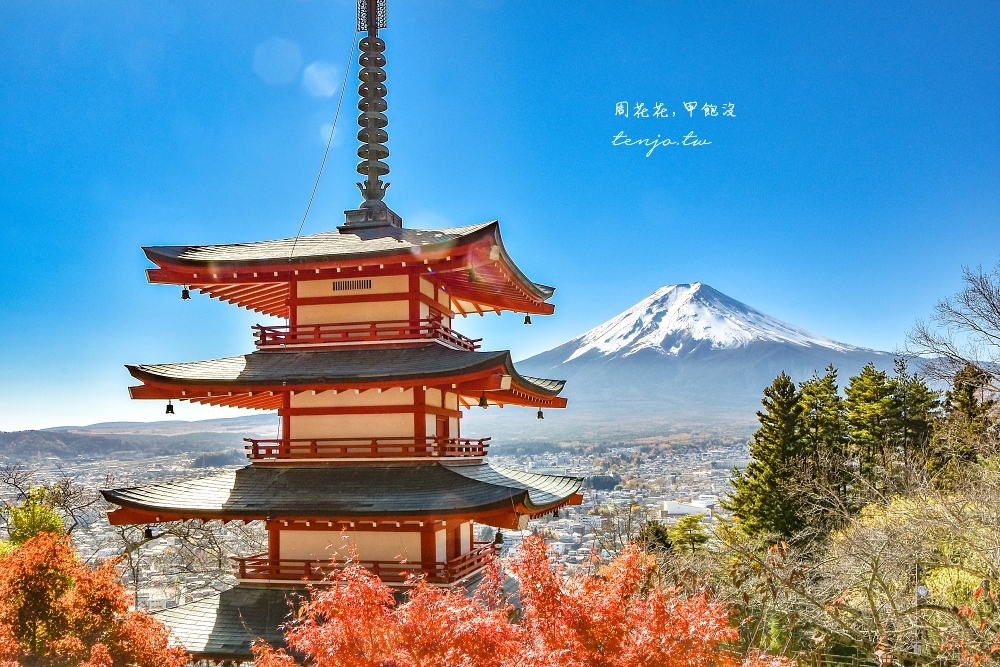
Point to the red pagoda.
(369, 380)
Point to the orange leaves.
(265, 656)
(358, 624)
(614, 619)
(618, 618)
(348, 624)
(55, 612)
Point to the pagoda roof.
(224, 626)
(299, 370)
(228, 271)
(347, 490)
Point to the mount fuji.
(687, 356)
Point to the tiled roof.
(353, 244)
(350, 490)
(380, 240)
(224, 626)
(333, 366)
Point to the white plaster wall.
(433, 397)
(352, 426)
(466, 545)
(376, 311)
(390, 546)
(441, 544)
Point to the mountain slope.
(681, 319)
(123, 440)
(685, 357)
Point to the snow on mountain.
(685, 359)
(678, 319)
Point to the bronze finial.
(372, 135)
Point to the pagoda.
(369, 379)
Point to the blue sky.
(859, 174)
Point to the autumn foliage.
(614, 619)
(55, 611)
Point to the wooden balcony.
(362, 333)
(263, 568)
(360, 448)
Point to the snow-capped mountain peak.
(679, 319)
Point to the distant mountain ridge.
(258, 424)
(686, 357)
(138, 439)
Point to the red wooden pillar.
(414, 290)
(419, 416)
(286, 419)
(293, 303)
(273, 550)
(428, 547)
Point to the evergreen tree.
(764, 498)
(825, 467)
(968, 400)
(871, 412)
(689, 532)
(823, 429)
(915, 411)
(966, 422)
(654, 536)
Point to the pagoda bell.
(482, 401)
(540, 415)
(527, 318)
(170, 408)
(185, 294)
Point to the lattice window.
(343, 285)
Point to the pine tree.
(871, 412)
(915, 411)
(689, 532)
(966, 421)
(968, 399)
(654, 537)
(824, 453)
(764, 499)
(823, 430)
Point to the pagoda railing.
(397, 572)
(336, 448)
(362, 332)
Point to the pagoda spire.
(373, 212)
